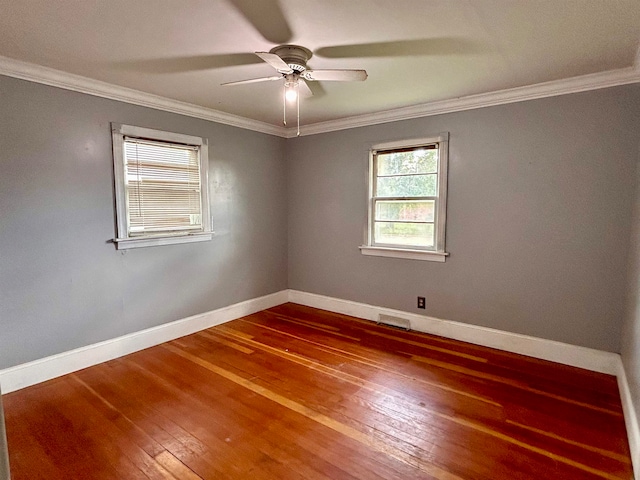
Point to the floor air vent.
(396, 322)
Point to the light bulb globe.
(291, 95)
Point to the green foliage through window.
(408, 186)
(420, 160)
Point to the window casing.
(161, 186)
(407, 199)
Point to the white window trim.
(438, 254)
(407, 253)
(123, 241)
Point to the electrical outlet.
(421, 302)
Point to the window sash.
(375, 221)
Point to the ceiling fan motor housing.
(294, 56)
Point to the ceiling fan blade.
(254, 80)
(402, 48)
(275, 61)
(335, 75)
(317, 89)
(304, 89)
(187, 64)
(267, 18)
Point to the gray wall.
(540, 207)
(630, 350)
(62, 284)
(539, 217)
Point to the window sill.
(126, 243)
(429, 256)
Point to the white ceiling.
(415, 51)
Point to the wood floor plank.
(254, 411)
(294, 392)
(511, 382)
(516, 442)
(176, 467)
(598, 426)
(370, 441)
(372, 362)
(603, 385)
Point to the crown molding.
(553, 88)
(68, 81)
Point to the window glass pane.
(409, 234)
(406, 211)
(408, 186)
(420, 160)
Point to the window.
(161, 187)
(407, 199)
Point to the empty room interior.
(292, 239)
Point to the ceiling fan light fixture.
(291, 95)
(290, 61)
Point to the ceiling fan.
(290, 61)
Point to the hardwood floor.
(298, 393)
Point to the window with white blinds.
(161, 187)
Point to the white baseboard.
(24, 375)
(27, 374)
(630, 418)
(588, 358)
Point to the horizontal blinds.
(163, 187)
